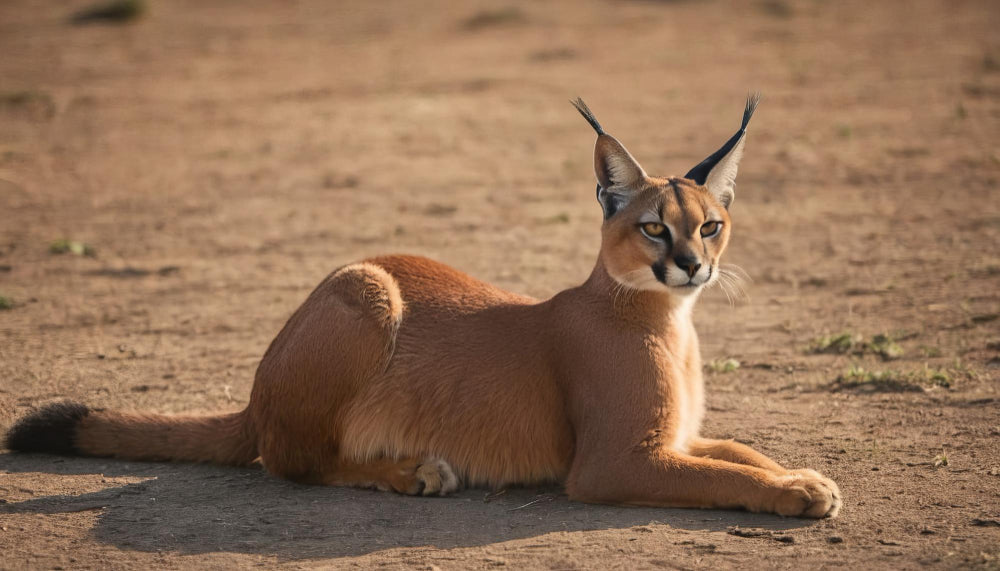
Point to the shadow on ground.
(200, 509)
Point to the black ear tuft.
(51, 430)
(699, 173)
(618, 173)
(587, 114)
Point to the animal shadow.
(194, 509)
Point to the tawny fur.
(403, 374)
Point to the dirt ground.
(216, 160)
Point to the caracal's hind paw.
(807, 493)
(435, 478)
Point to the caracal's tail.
(75, 430)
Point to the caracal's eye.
(653, 229)
(710, 229)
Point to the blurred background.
(222, 157)
(175, 177)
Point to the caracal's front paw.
(807, 493)
(434, 477)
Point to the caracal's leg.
(732, 451)
(667, 478)
(411, 476)
(735, 452)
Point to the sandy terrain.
(218, 159)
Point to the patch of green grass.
(115, 11)
(497, 17)
(930, 352)
(845, 343)
(937, 377)
(892, 381)
(858, 378)
(6, 302)
(884, 346)
(67, 246)
(841, 343)
(719, 366)
(940, 460)
(963, 370)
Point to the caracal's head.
(665, 233)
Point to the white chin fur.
(678, 278)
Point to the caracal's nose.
(688, 263)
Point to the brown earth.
(220, 158)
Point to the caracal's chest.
(676, 369)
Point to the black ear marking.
(610, 202)
(699, 173)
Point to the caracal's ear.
(718, 171)
(619, 175)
